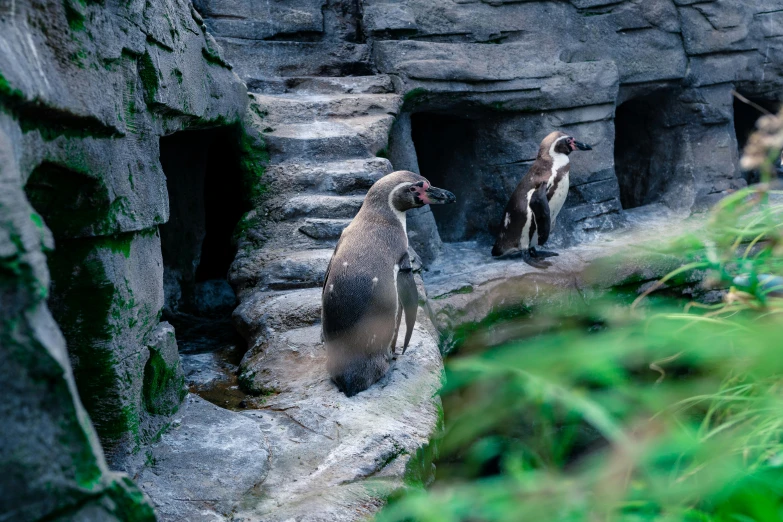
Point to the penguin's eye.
(412, 189)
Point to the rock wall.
(86, 91)
(513, 70)
(342, 92)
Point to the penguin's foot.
(540, 254)
(536, 261)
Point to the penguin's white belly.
(559, 197)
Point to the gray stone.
(59, 470)
(203, 466)
(324, 228)
(202, 369)
(242, 19)
(106, 296)
(338, 455)
(214, 297)
(263, 312)
(322, 206)
(467, 284)
(461, 91)
(388, 18)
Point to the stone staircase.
(323, 137)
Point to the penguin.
(533, 208)
(369, 282)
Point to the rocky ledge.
(305, 452)
(308, 452)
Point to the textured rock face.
(507, 73)
(342, 93)
(86, 91)
(332, 458)
(462, 92)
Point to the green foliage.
(648, 407)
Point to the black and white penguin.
(533, 208)
(369, 282)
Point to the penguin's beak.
(438, 196)
(582, 146)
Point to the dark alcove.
(447, 158)
(203, 179)
(746, 114)
(645, 149)
(206, 201)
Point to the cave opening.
(447, 158)
(747, 111)
(206, 201)
(645, 149)
(204, 183)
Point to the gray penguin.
(369, 282)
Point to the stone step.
(299, 108)
(360, 137)
(304, 269)
(255, 61)
(378, 84)
(317, 205)
(339, 177)
(323, 229)
(279, 311)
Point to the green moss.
(76, 14)
(119, 244)
(90, 308)
(8, 93)
(70, 201)
(51, 124)
(247, 383)
(37, 220)
(78, 58)
(467, 289)
(249, 221)
(17, 274)
(129, 502)
(253, 159)
(148, 74)
(86, 471)
(214, 58)
(164, 385)
(414, 94)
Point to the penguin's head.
(562, 143)
(406, 190)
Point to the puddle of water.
(210, 351)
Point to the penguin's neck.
(559, 160)
(400, 215)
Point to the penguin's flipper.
(409, 297)
(329, 266)
(540, 207)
